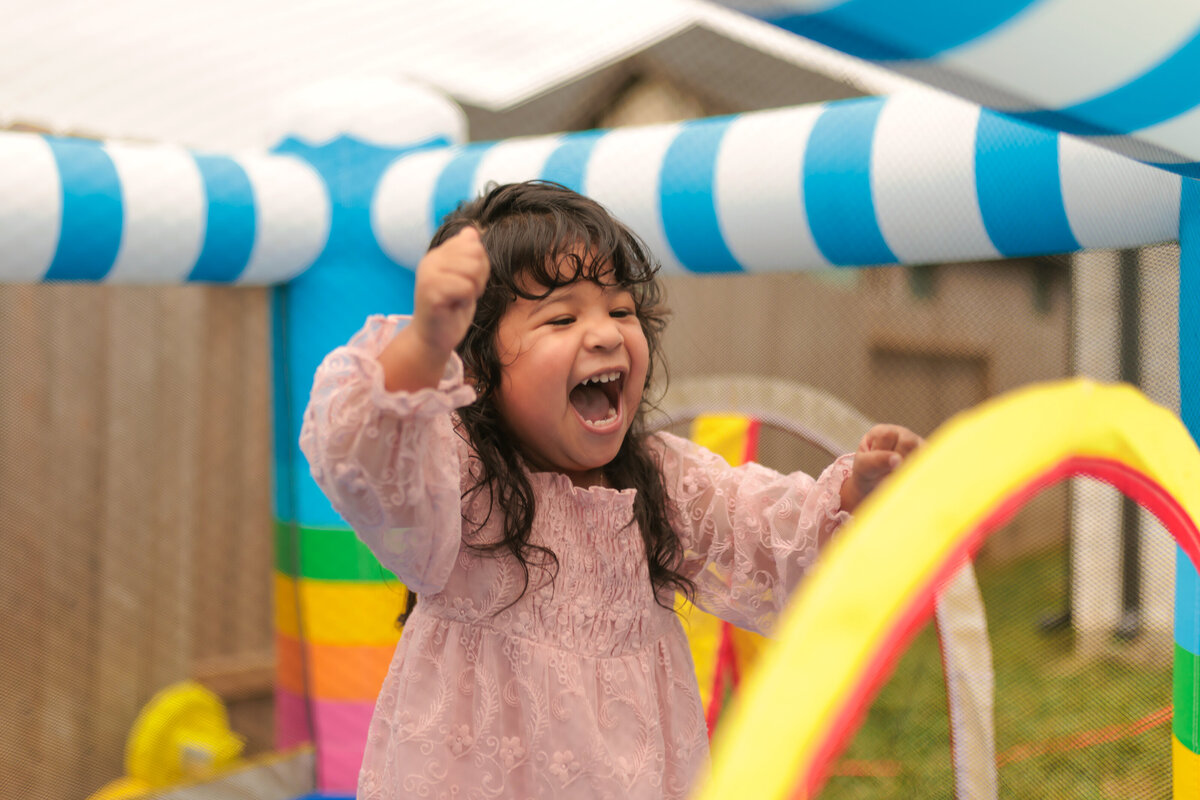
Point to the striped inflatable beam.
(1186, 722)
(906, 179)
(1122, 74)
(79, 210)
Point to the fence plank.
(24, 551)
(76, 318)
(175, 414)
(127, 533)
(220, 421)
(254, 621)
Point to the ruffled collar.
(559, 482)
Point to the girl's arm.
(749, 533)
(389, 461)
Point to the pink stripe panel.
(341, 730)
(291, 720)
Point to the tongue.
(591, 402)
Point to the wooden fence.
(135, 524)
(135, 529)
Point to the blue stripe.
(92, 212)
(1189, 169)
(569, 161)
(1187, 603)
(689, 211)
(1020, 194)
(1189, 307)
(887, 30)
(230, 229)
(837, 185)
(1162, 93)
(454, 184)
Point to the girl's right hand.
(450, 278)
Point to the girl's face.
(573, 369)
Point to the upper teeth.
(605, 378)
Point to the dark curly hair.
(540, 236)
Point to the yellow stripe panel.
(339, 612)
(1186, 770)
(898, 540)
(748, 648)
(724, 434)
(704, 638)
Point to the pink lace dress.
(583, 689)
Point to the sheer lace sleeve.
(389, 461)
(749, 533)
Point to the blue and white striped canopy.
(1123, 73)
(906, 179)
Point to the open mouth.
(597, 399)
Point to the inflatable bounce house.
(1076, 126)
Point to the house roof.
(206, 74)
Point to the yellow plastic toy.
(908, 537)
(181, 735)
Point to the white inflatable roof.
(207, 73)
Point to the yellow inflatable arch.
(839, 639)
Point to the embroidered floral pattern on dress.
(511, 751)
(459, 739)
(564, 766)
(582, 689)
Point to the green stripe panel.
(329, 554)
(1187, 698)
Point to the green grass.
(1045, 695)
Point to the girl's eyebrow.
(565, 293)
(561, 293)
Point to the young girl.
(492, 453)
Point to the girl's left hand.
(881, 450)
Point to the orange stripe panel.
(337, 672)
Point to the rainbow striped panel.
(1186, 722)
(336, 632)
